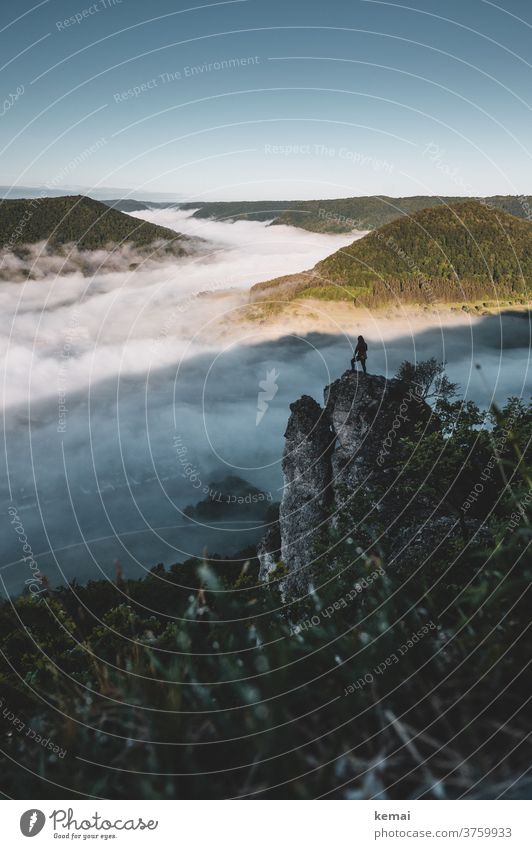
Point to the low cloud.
(132, 320)
(132, 358)
(39, 261)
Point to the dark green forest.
(76, 219)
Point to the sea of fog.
(120, 407)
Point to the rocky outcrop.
(334, 455)
(368, 413)
(304, 509)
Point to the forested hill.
(342, 215)
(445, 254)
(76, 219)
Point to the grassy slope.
(441, 254)
(86, 222)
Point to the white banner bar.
(266, 824)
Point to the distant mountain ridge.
(342, 215)
(339, 215)
(333, 215)
(442, 254)
(132, 205)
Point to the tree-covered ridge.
(342, 215)
(364, 213)
(78, 220)
(132, 205)
(445, 254)
(439, 254)
(250, 210)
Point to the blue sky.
(267, 99)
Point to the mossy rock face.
(280, 572)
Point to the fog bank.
(121, 405)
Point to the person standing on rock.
(360, 355)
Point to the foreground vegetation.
(387, 681)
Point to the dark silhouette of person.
(361, 354)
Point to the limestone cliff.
(305, 505)
(337, 458)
